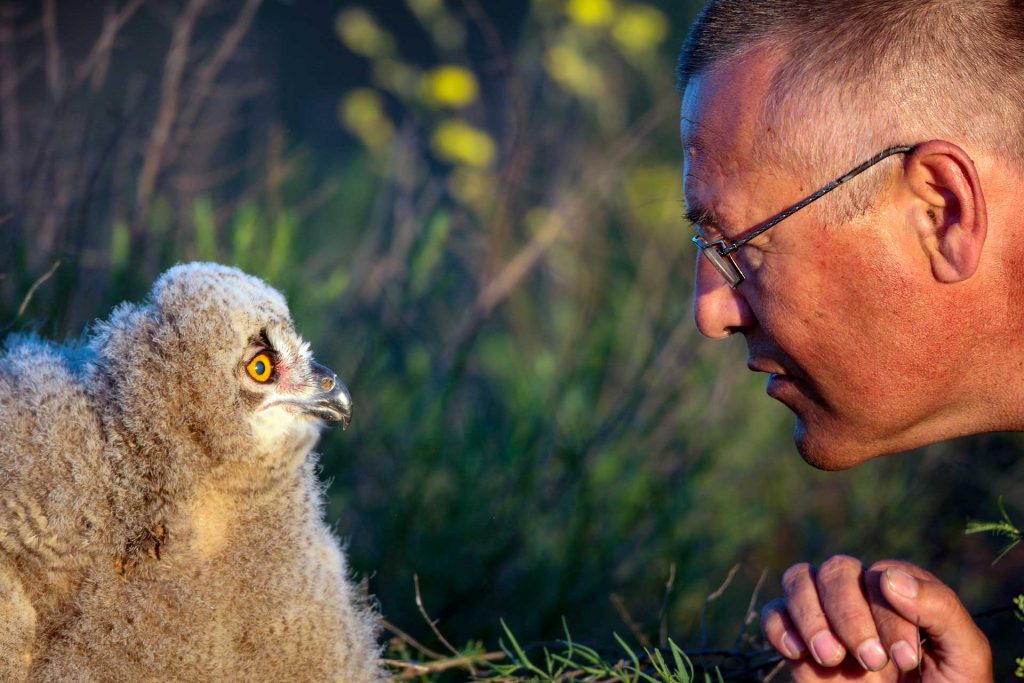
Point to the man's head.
(884, 310)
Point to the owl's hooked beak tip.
(334, 402)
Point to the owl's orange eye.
(260, 368)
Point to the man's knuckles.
(880, 566)
(797, 578)
(840, 568)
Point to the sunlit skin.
(863, 342)
(893, 331)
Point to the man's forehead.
(724, 136)
(722, 107)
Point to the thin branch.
(170, 95)
(565, 214)
(620, 606)
(210, 71)
(416, 669)
(711, 598)
(751, 611)
(93, 68)
(409, 640)
(775, 672)
(20, 75)
(10, 114)
(663, 613)
(53, 60)
(32, 290)
(433, 625)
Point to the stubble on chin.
(824, 453)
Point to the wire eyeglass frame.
(720, 252)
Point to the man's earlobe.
(949, 209)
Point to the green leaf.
(206, 229)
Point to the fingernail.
(793, 646)
(904, 655)
(901, 582)
(826, 650)
(872, 655)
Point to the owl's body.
(160, 514)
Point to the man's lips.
(780, 380)
(766, 365)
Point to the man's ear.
(949, 211)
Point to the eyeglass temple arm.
(850, 175)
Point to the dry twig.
(35, 285)
(170, 95)
(711, 598)
(94, 66)
(663, 613)
(417, 669)
(210, 71)
(620, 606)
(752, 613)
(566, 213)
(53, 61)
(409, 640)
(431, 622)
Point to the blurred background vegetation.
(474, 210)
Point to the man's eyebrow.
(702, 217)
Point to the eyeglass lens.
(723, 264)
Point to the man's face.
(843, 317)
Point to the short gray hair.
(883, 71)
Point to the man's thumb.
(952, 640)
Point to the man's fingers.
(781, 633)
(808, 615)
(841, 589)
(899, 636)
(779, 630)
(839, 622)
(953, 639)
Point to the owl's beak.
(332, 403)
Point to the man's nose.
(718, 309)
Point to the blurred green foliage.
(498, 270)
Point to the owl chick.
(160, 513)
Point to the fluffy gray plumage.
(160, 516)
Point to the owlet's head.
(214, 361)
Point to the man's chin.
(825, 450)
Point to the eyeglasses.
(720, 252)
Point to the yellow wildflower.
(640, 28)
(572, 71)
(458, 142)
(591, 12)
(451, 86)
(425, 9)
(361, 33)
(362, 112)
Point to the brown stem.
(53, 60)
(94, 67)
(210, 71)
(10, 114)
(170, 95)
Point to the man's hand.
(840, 622)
